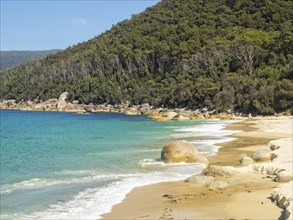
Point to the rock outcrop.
(284, 176)
(181, 151)
(266, 169)
(62, 101)
(283, 200)
(159, 114)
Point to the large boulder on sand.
(262, 155)
(181, 151)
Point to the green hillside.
(222, 54)
(13, 58)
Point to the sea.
(57, 165)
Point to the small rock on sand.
(262, 155)
(198, 179)
(219, 184)
(222, 171)
(246, 160)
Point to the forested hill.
(13, 58)
(222, 54)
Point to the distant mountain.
(13, 58)
(219, 54)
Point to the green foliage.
(224, 100)
(221, 54)
(284, 95)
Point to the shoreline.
(159, 114)
(249, 195)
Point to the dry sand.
(247, 197)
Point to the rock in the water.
(284, 176)
(262, 155)
(198, 179)
(179, 151)
(246, 160)
(219, 184)
(223, 171)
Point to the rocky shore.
(160, 114)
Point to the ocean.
(58, 165)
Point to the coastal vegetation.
(218, 54)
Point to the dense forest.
(219, 54)
(13, 58)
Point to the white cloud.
(81, 22)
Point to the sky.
(58, 24)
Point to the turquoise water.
(67, 166)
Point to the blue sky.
(57, 24)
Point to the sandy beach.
(258, 191)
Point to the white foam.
(213, 142)
(42, 183)
(209, 129)
(158, 162)
(76, 172)
(92, 203)
(5, 191)
(212, 130)
(151, 162)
